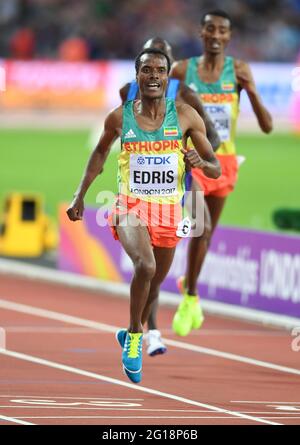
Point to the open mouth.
(215, 45)
(153, 86)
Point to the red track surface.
(40, 394)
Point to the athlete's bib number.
(221, 117)
(154, 175)
(184, 228)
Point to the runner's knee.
(145, 268)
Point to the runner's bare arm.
(124, 92)
(191, 98)
(178, 69)
(246, 81)
(94, 167)
(202, 156)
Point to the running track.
(62, 366)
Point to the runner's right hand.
(75, 210)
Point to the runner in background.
(218, 80)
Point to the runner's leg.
(163, 258)
(136, 241)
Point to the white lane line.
(51, 364)
(230, 356)
(51, 330)
(2, 338)
(32, 272)
(77, 398)
(67, 408)
(255, 401)
(123, 417)
(31, 310)
(136, 417)
(94, 408)
(15, 420)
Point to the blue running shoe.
(132, 355)
(121, 337)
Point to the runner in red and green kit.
(147, 216)
(181, 93)
(218, 80)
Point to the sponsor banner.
(49, 84)
(95, 85)
(251, 269)
(120, 73)
(2, 76)
(274, 84)
(277, 83)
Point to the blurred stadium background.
(62, 63)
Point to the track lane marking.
(295, 415)
(137, 417)
(59, 316)
(15, 420)
(122, 417)
(71, 369)
(2, 338)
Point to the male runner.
(147, 214)
(218, 80)
(178, 91)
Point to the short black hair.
(151, 51)
(218, 13)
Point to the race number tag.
(184, 228)
(221, 117)
(155, 175)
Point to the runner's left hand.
(192, 158)
(244, 77)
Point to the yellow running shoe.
(189, 314)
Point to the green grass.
(51, 162)
(269, 179)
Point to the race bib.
(155, 175)
(221, 118)
(184, 228)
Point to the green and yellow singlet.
(151, 165)
(220, 100)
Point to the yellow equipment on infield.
(26, 231)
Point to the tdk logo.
(214, 110)
(141, 160)
(153, 160)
